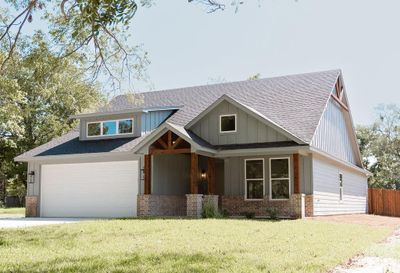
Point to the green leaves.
(39, 93)
(380, 147)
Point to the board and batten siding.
(170, 174)
(326, 189)
(249, 129)
(333, 134)
(153, 119)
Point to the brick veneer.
(161, 205)
(309, 205)
(292, 208)
(31, 206)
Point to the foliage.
(209, 211)
(273, 213)
(15, 188)
(380, 148)
(39, 94)
(248, 214)
(172, 245)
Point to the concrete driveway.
(22, 222)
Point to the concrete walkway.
(22, 222)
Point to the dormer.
(121, 124)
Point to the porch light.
(203, 175)
(31, 177)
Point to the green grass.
(390, 250)
(173, 245)
(8, 211)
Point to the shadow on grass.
(129, 262)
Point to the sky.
(187, 46)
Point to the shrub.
(273, 213)
(225, 213)
(249, 214)
(209, 211)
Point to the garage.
(97, 189)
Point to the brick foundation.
(292, 208)
(194, 205)
(31, 206)
(161, 205)
(309, 206)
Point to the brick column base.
(194, 205)
(309, 205)
(31, 203)
(211, 200)
(298, 205)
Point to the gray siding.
(136, 124)
(326, 189)
(171, 174)
(249, 129)
(234, 174)
(333, 134)
(151, 120)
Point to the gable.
(335, 134)
(249, 129)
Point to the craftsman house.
(286, 143)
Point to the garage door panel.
(105, 189)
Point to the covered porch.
(178, 181)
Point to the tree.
(380, 148)
(96, 30)
(39, 92)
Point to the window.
(279, 178)
(227, 123)
(254, 179)
(110, 127)
(125, 126)
(94, 129)
(340, 186)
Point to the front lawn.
(184, 246)
(15, 211)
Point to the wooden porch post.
(147, 174)
(296, 174)
(211, 175)
(193, 172)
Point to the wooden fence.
(384, 202)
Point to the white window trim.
(341, 188)
(101, 127)
(270, 179)
(253, 179)
(227, 132)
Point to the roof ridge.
(338, 70)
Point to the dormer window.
(110, 127)
(227, 123)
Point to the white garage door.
(105, 189)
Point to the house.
(286, 143)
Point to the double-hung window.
(279, 178)
(254, 179)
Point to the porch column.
(194, 167)
(211, 175)
(296, 173)
(147, 174)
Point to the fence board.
(384, 202)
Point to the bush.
(225, 213)
(249, 214)
(273, 213)
(209, 211)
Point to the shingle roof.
(294, 102)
